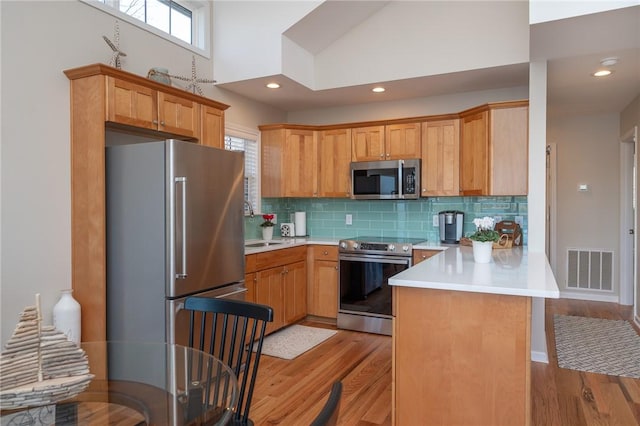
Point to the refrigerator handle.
(183, 274)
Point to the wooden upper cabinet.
(494, 146)
(474, 147)
(131, 104)
(367, 143)
(390, 142)
(509, 133)
(334, 158)
(140, 106)
(402, 141)
(289, 163)
(212, 126)
(440, 153)
(178, 115)
(300, 163)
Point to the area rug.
(597, 345)
(294, 341)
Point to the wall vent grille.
(589, 269)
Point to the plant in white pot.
(267, 227)
(483, 239)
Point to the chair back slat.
(230, 330)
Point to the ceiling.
(572, 47)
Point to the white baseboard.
(537, 356)
(590, 297)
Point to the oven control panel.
(375, 247)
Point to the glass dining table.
(138, 383)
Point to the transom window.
(185, 21)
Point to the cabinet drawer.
(250, 263)
(325, 252)
(280, 257)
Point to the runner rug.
(294, 341)
(597, 345)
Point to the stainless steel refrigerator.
(174, 229)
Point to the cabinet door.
(295, 292)
(510, 151)
(269, 291)
(178, 115)
(131, 104)
(325, 289)
(211, 126)
(250, 282)
(300, 163)
(402, 141)
(334, 158)
(271, 165)
(422, 254)
(367, 143)
(474, 148)
(440, 158)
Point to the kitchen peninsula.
(461, 337)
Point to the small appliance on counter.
(287, 230)
(450, 222)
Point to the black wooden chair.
(225, 329)
(328, 416)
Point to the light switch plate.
(348, 219)
(436, 221)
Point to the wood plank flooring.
(293, 392)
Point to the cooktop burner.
(379, 245)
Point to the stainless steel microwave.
(385, 180)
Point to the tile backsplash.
(326, 217)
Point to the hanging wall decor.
(115, 47)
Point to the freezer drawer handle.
(182, 275)
(231, 293)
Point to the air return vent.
(590, 269)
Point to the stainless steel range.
(366, 264)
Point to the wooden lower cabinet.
(423, 254)
(295, 292)
(281, 282)
(322, 282)
(250, 277)
(460, 358)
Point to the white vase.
(267, 233)
(482, 251)
(66, 316)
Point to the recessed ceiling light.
(378, 89)
(609, 62)
(602, 73)
(273, 86)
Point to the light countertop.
(512, 271)
(283, 243)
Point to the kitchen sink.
(263, 244)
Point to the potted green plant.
(267, 226)
(483, 239)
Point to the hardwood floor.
(293, 392)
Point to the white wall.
(588, 152)
(247, 36)
(39, 41)
(545, 10)
(408, 39)
(630, 116)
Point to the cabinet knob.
(325, 253)
(335, 267)
(154, 121)
(162, 123)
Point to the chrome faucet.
(248, 203)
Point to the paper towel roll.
(300, 223)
